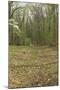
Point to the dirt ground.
(32, 66)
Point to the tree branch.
(14, 11)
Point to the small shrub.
(27, 42)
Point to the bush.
(27, 41)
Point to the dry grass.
(32, 66)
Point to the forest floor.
(32, 66)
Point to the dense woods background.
(33, 24)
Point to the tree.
(33, 23)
